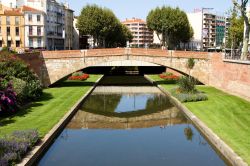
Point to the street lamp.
(202, 13)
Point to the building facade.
(69, 29)
(11, 28)
(209, 30)
(142, 36)
(35, 36)
(58, 23)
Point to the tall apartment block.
(49, 23)
(142, 36)
(209, 30)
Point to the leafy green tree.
(236, 30)
(102, 24)
(242, 7)
(172, 24)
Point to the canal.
(127, 121)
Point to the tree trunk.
(245, 43)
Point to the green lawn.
(227, 115)
(52, 106)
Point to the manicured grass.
(45, 113)
(227, 115)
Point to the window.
(17, 20)
(8, 31)
(39, 42)
(38, 18)
(17, 31)
(30, 42)
(39, 31)
(18, 43)
(9, 44)
(1, 43)
(30, 17)
(8, 20)
(30, 30)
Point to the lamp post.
(202, 13)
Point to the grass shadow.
(72, 84)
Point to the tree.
(102, 24)
(171, 23)
(235, 31)
(242, 8)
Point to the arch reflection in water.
(135, 126)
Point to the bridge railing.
(123, 51)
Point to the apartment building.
(58, 22)
(34, 25)
(11, 27)
(209, 30)
(69, 28)
(142, 36)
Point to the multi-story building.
(56, 22)
(69, 29)
(142, 36)
(11, 27)
(220, 30)
(227, 25)
(35, 36)
(209, 30)
(55, 25)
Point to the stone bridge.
(210, 68)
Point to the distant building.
(142, 36)
(11, 27)
(69, 19)
(35, 36)
(58, 23)
(209, 30)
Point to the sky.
(139, 8)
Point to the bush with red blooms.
(8, 98)
(169, 77)
(78, 76)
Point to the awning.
(17, 38)
(9, 38)
(1, 38)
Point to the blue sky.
(139, 8)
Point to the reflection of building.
(34, 27)
(11, 27)
(209, 30)
(141, 34)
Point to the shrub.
(78, 73)
(79, 77)
(13, 69)
(188, 97)
(187, 84)
(8, 98)
(16, 145)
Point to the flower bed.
(188, 97)
(78, 76)
(169, 77)
(14, 147)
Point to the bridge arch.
(58, 64)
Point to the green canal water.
(129, 122)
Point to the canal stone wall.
(210, 68)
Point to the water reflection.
(136, 126)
